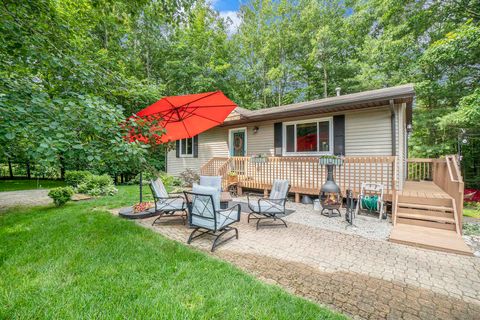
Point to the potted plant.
(232, 177)
(259, 158)
(331, 160)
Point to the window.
(308, 137)
(186, 147)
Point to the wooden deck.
(426, 213)
(425, 189)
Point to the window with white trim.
(308, 137)
(186, 147)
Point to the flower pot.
(232, 179)
(331, 161)
(259, 159)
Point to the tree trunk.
(10, 169)
(62, 167)
(28, 170)
(325, 80)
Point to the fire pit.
(330, 196)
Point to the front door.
(238, 142)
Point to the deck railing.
(419, 169)
(446, 175)
(305, 174)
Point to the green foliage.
(72, 71)
(61, 195)
(96, 185)
(75, 178)
(189, 177)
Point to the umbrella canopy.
(186, 116)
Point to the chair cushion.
(159, 188)
(211, 181)
(208, 191)
(266, 206)
(279, 189)
(171, 204)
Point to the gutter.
(394, 127)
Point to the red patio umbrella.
(186, 116)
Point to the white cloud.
(232, 19)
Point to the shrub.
(97, 186)
(60, 195)
(189, 177)
(75, 178)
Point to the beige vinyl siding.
(368, 133)
(211, 143)
(262, 141)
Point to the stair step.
(424, 206)
(435, 239)
(445, 202)
(427, 212)
(426, 224)
(425, 217)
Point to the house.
(370, 129)
(367, 124)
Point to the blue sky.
(226, 5)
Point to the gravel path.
(10, 199)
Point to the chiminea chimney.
(338, 90)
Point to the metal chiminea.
(330, 195)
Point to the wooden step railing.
(446, 175)
(419, 169)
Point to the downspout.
(394, 128)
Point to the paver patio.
(363, 278)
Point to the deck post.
(297, 197)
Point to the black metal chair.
(271, 207)
(165, 204)
(206, 219)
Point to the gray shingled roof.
(366, 98)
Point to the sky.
(228, 9)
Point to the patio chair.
(370, 191)
(203, 203)
(271, 207)
(212, 181)
(165, 204)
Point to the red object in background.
(186, 116)
(471, 195)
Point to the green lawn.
(13, 185)
(81, 262)
(471, 212)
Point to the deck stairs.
(426, 217)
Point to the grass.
(79, 261)
(471, 212)
(14, 185)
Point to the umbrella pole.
(141, 187)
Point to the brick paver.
(363, 278)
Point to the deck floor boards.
(423, 189)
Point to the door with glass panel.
(238, 148)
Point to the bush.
(189, 177)
(97, 186)
(75, 178)
(60, 195)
